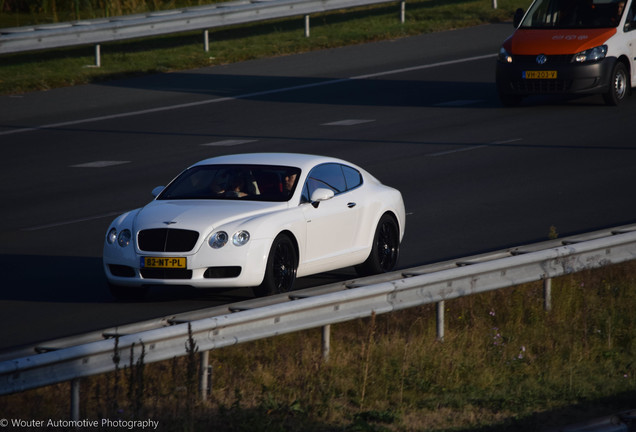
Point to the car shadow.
(381, 90)
(64, 279)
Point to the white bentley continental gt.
(255, 220)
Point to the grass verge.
(44, 70)
(505, 364)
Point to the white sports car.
(255, 220)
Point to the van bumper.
(571, 78)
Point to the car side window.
(339, 178)
(352, 177)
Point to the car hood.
(200, 215)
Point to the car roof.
(302, 161)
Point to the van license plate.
(539, 74)
(163, 262)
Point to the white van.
(569, 47)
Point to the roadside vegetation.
(48, 69)
(505, 364)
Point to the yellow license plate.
(163, 262)
(539, 74)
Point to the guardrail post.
(306, 25)
(204, 377)
(547, 294)
(326, 341)
(402, 12)
(440, 321)
(206, 40)
(98, 55)
(75, 399)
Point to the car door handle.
(351, 205)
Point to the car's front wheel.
(280, 272)
(384, 250)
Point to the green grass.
(505, 364)
(44, 70)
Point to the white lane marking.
(349, 122)
(229, 142)
(73, 221)
(243, 96)
(459, 150)
(477, 147)
(99, 164)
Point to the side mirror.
(156, 191)
(321, 194)
(516, 20)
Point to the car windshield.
(234, 182)
(570, 14)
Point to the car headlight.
(504, 56)
(240, 238)
(111, 237)
(123, 239)
(593, 54)
(218, 240)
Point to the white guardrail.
(97, 31)
(317, 307)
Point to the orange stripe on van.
(554, 42)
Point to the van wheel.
(618, 86)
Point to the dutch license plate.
(163, 262)
(539, 74)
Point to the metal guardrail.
(97, 31)
(319, 307)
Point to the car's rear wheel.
(618, 86)
(385, 249)
(282, 265)
(124, 293)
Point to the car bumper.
(571, 78)
(227, 267)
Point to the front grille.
(165, 273)
(541, 86)
(530, 61)
(167, 240)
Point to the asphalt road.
(420, 113)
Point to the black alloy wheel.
(387, 245)
(282, 265)
(385, 249)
